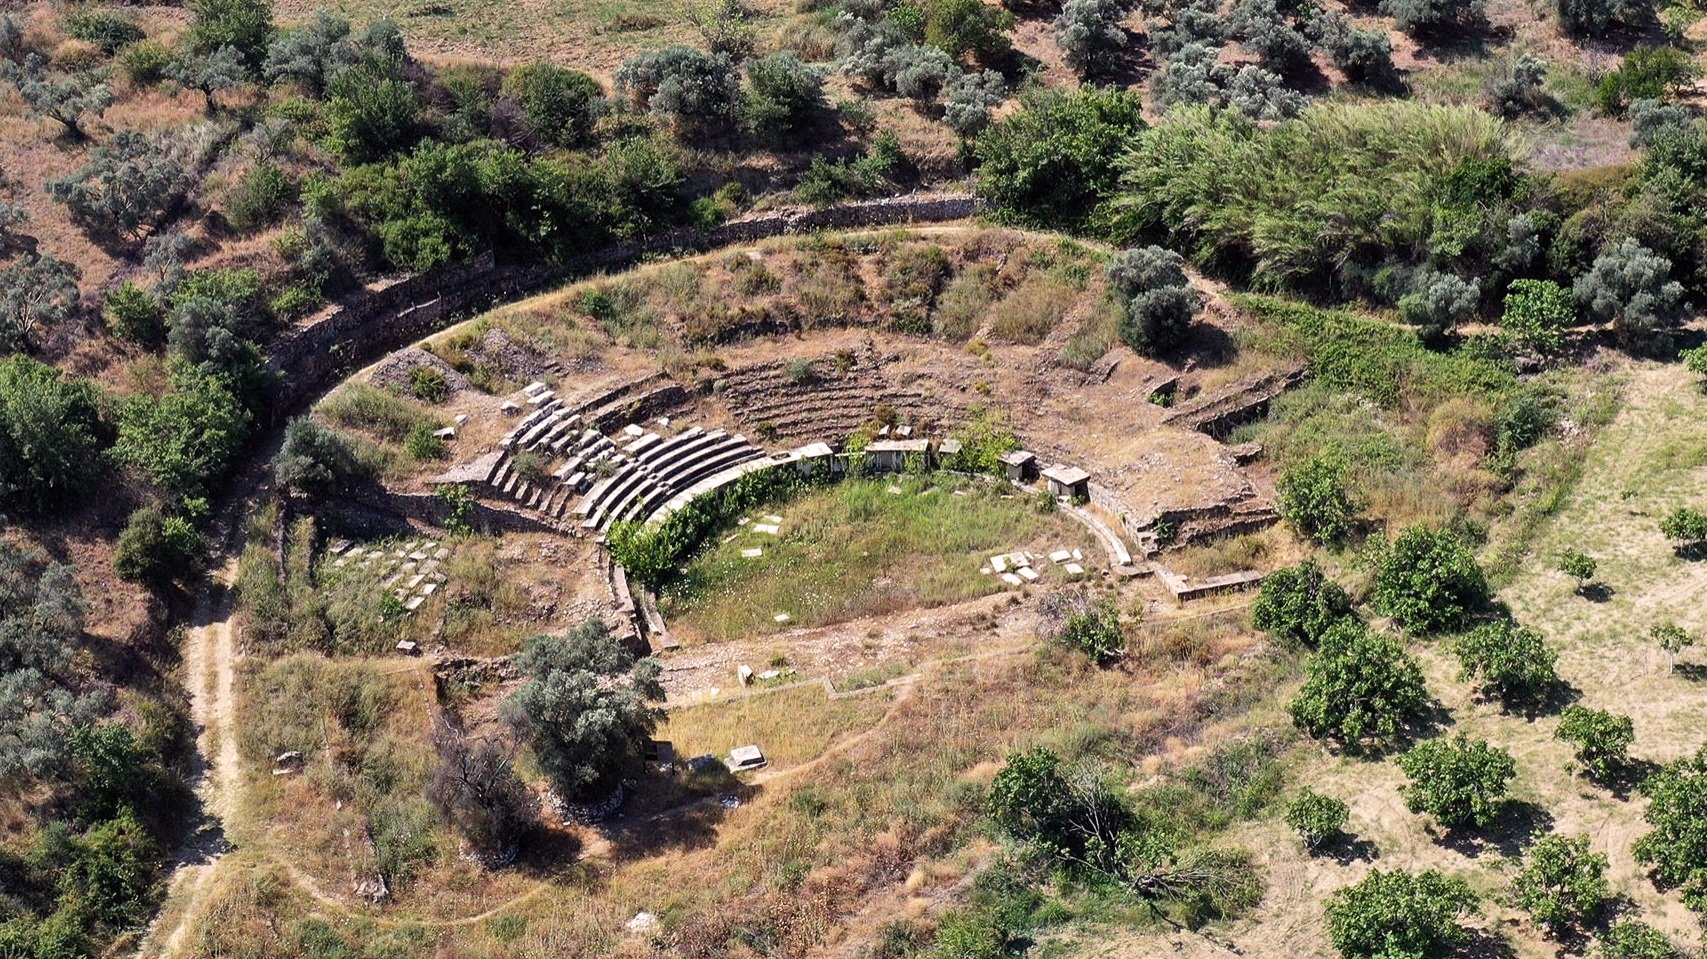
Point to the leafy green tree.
(50, 437)
(969, 28)
(1602, 739)
(1054, 161)
(1460, 782)
(1314, 499)
(1696, 361)
(132, 313)
(1647, 73)
(127, 185)
(784, 95)
(1094, 629)
(561, 106)
(1507, 662)
(1360, 689)
(1633, 939)
(1578, 565)
(1090, 35)
(1156, 300)
(1298, 604)
(37, 293)
(114, 771)
(1428, 581)
(314, 459)
(1672, 638)
(1315, 817)
(1676, 848)
(589, 708)
(1029, 795)
(1562, 884)
(244, 25)
(1400, 915)
(371, 111)
(1537, 312)
(64, 99)
(158, 550)
(213, 72)
(107, 29)
(1630, 286)
(1687, 527)
(700, 92)
(187, 438)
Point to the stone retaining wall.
(431, 508)
(312, 356)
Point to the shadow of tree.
(1346, 848)
(1596, 592)
(1518, 823)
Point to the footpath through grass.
(857, 549)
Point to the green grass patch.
(855, 550)
(1372, 358)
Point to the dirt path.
(210, 673)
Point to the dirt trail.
(209, 653)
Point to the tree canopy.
(588, 706)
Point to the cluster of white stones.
(412, 571)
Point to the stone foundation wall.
(312, 356)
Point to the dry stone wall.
(315, 354)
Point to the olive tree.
(37, 293)
(311, 54)
(65, 99)
(313, 460)
(127, 185)
(1090, 35)
(1156, 300)
(699, 92)
(41, 703)
(1364, 56)
(1630, 286)
(1458, 781)
(1602, 739)
(589, 706)
(1400, 915)
(968, 100)
(1438, 302)
(210, 73)
(1436, 19)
